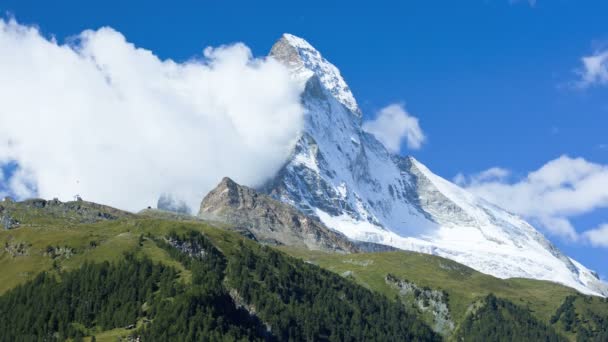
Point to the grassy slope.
(108, 240)
(40, 229)
(99, 241)
(464, 285)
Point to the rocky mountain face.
(269, 220)
(347, 179)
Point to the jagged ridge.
(270, 221)
(345, 177)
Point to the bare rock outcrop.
(269, 220)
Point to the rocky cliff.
(269, 220)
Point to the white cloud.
(112, 122)
(598, 237)
(491, 174)
(392, 125)
(22, 183)
(595, 70)
(561, 189)
(461, 179)
(556, 225)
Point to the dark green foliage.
(104, 295)
(598, 333)
(501, 320)
(197, 254)
(297, 301)
(593, 328)
(302, 302)
(566, 313)
(289, 300)
(205, 312)
(595, 331)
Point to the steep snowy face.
(302, 58)
(349, 180)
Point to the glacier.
(353, 184)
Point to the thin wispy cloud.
(551, 196)
(598, 237)
(490, 175)
(594, 70)
(116, 124)
(393, 125)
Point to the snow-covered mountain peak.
(299, 43)
(354, 185)
(304, 60)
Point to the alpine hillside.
(345, 177)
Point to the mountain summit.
(305, 61)
(354, 185)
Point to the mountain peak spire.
(350, 182)
(298, 42)
(305, 61)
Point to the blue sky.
(491, 81)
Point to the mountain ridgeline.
(173, 282)
(346, 178)
(67, 274)
(270, 221)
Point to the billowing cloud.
(392, 125)
(550, 196)
(594, 70)
(102, 118)
(598, 237)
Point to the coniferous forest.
(593, 328)
(255, 292)
(104, 295)
(258, 294)
(501, 320)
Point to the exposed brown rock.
(269, 220)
